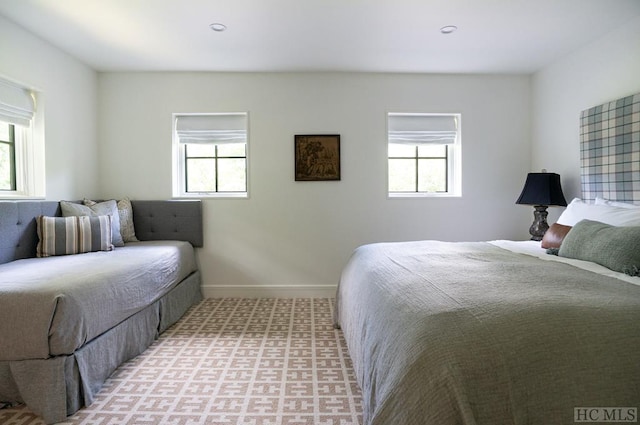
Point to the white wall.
(299, 235)
(293, 238)
(604, 70)
(68, 90)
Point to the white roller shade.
(17, 104)
(407, 129)
(213, 128)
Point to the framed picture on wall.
(317, 157)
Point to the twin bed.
(68, 321)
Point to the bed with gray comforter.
(67, 322)
(470, 333)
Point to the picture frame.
(317, 157)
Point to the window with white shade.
(210, 155)
(21, 143)
(424, 155)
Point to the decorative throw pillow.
(73, 235)
(554, 236)
(102, 208)
(125, 211)
(617, 248)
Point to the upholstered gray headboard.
(172, 220)
(18, 234)
(153, 220)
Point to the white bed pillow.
(602, 201)
(578, 210)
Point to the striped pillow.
(73, 235)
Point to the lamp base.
(539, 226)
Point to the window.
(7, 157)
(210, 153)
(424, 155)
(21, 143)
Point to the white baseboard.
(269, 291)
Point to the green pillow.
(615, 247)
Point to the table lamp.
(541, 190)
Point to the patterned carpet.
(232, 361)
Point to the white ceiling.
(494, 36)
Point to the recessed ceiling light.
(448, 29)
(218, 27)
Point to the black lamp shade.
(542, 189)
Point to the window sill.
(409, 195)
(213, 196)
(12, 196)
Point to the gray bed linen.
(53, 306)
(469, 333)
(58, 386)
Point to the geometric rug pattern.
(232, 361)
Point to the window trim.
(179, 168)
(12, 154)
(30, 173)
(454, 162)
(29, 148)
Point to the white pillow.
(602, 201)
(615, 216)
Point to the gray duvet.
(469, 333)
(53, 306)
